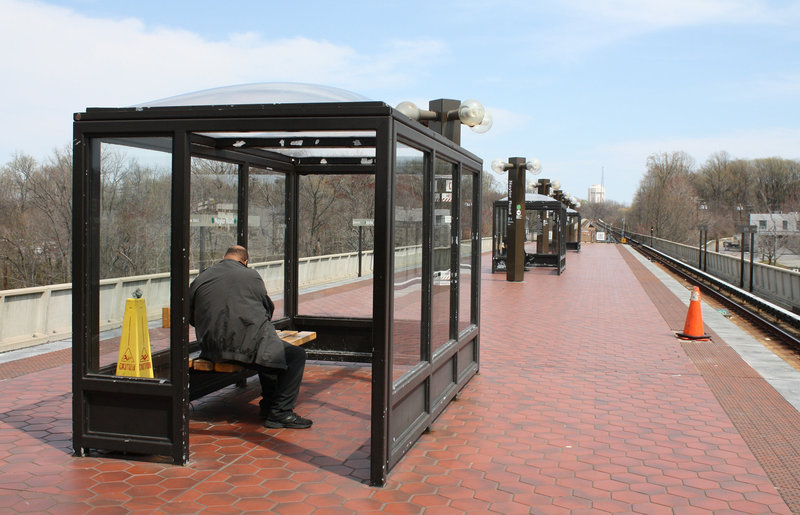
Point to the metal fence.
(774, 284)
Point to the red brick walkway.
(585, 403)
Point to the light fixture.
(485, 125)
(533, 166)
(500, 166)
(470, 112)
(411, 110)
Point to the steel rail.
(773, 319)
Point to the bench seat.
(206, 376)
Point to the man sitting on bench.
(231, 312)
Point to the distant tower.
(597, 193)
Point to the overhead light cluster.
(470, 113)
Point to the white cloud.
(62, 62)
(594, 24)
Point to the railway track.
(778, 324)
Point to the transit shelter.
(545, 233)
(329, 196)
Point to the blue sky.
(585, 86)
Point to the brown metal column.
(450, 129)
(515, 257)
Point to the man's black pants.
(279, 388)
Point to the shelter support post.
(515, 260)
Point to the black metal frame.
(151, 416)
(533, 202)
(573, 242)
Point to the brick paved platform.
(585, 403)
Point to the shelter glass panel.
(407, 274)
(533, 230)
(335, 245)
(542, 231)
(213, 217)
(465, 250)
(573, 229)
(266, 236)
(134, 255)
(442, 252)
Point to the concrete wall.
(31, 316)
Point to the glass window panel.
(134, 256)
(266, 237)
(551, 231)
(214, 205)
(333, 224)
(544, 228)
(442, 252)
(533, 231)
(407, 314)
(465, 251)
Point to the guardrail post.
(752, 243)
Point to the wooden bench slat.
(299, 337)
(204, 365)
(227, 367)
(289, 336)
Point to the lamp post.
(445, 116)
(515, 222)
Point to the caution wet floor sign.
(134, 346)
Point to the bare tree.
(36, 229)
(777, 182)
(666, 199)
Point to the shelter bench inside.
(206, 376)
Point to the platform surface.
(585, 403)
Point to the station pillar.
(515, 253)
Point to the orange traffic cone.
(693, 328)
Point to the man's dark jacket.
(231, 311)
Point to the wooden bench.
(206, 376)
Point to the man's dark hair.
(238, 253)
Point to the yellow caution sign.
(134, 346)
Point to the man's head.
(238, 253)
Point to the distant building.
(597, 193)
(780, 224)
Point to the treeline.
(675, 197)
(36, 221)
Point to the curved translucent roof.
(260, 93)
(534, 197)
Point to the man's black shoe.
(290, 421)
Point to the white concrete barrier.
(32, 316)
